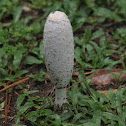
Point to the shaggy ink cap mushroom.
(59, 51)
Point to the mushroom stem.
(60, 97)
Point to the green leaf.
(40, 77)
(97, 115)
(30, 92)
(19, 73)
(31, 60)
(77, 26)
(76, 117)
(110, 116)
(35, 51)
(67, 115)
(17, 13)
(111, 97)
(74, 96)
(87, 35)
(108, 52)
(89, 124)
(90, 51)
(31, 114)
(103, 98)
(78, 53)
(20, 100)
(57, 118)
(2, 106)
(45, 112)
(97, 34)
(23, 108)
(17, 59)
(98, 49)
(78, 40)
(41, 48)
(106, 13)
(119, 100)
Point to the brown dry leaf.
(76, 73)
(26, 8)
(106, 92)
(48, 77)
(106, 78)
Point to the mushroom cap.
(59, 48)
(57, 16)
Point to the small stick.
(14, 84)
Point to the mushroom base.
(60, 99)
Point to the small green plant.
(117, 77)
(94, 110)
(89, 51)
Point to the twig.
(16, 93)
(14, 84)
(39, 109)
(7, 104)
(11, 81)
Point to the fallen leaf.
(106, 79)
(106, 92)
